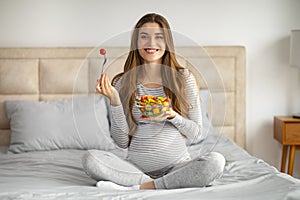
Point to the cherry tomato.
(102, 51)
(144, 97)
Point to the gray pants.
(199, 172)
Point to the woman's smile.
(151, 50)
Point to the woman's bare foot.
(148, 186)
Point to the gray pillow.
(207, 125)
(206, 122)
(78, 123)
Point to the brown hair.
(172, 78)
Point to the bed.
(50, 116)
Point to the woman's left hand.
(170, 114)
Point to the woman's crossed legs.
(199, 172)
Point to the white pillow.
(78, 123)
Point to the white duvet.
(59, 175)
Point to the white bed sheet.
(59, 175)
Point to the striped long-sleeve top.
(158, 145)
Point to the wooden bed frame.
(52, 73)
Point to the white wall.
(262, 26)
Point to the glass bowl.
(153, 106)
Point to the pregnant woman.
(157, 148)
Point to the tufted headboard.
(53, 73)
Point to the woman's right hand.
(105, 88)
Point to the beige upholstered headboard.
(52, 73)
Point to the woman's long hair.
(171, 71)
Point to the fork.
(103, 52)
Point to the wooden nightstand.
(287, 132)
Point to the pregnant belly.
(153, 147)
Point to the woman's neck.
(151, 75)
(152, 70)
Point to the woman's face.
(151, 43)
